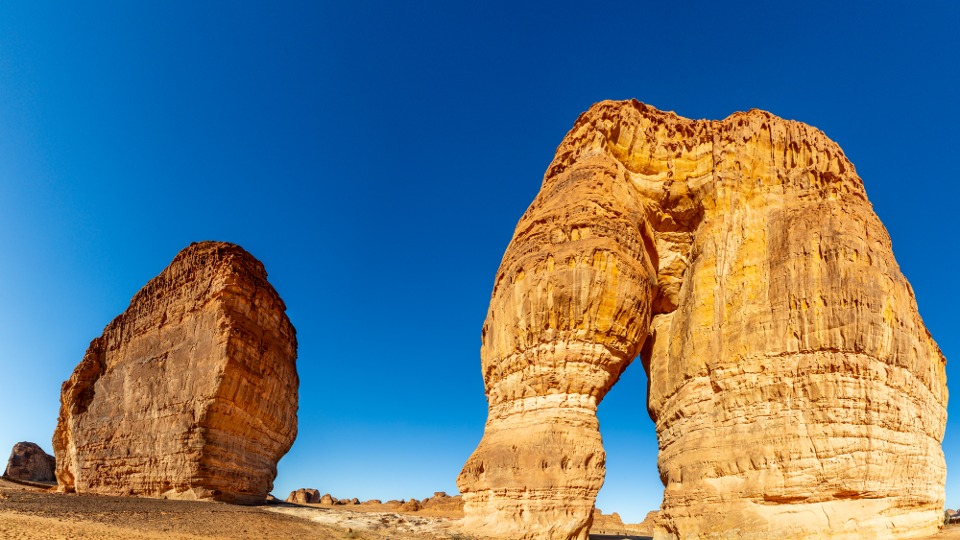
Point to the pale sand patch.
(375, 522)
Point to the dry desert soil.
(31, 513)
(28, 513)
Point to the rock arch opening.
(632, 486)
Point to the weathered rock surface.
(647, 525)
(28, 462)
(304, 496)
(412, 505)
(191, 392)
(442, 502)
(793, 385)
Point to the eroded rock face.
(793, 385)
(191, 392)
(30, 463)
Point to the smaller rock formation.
(304, 496)
(646, 526)
(412, 505)
(28, 462)
(442, 502)
(612, 524)
(328, 500)
(606, 523)
(191, 393)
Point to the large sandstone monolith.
(28, 462)
(191, 392)
(794, 388)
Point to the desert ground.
(30, 513)
(33, 513)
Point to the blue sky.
(376, 157)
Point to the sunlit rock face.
(191, 392)
(793, 385)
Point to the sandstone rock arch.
(793, 385)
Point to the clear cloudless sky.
(376, 157)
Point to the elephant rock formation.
(792, 383)
(189, 393)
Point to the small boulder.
(328, 500)
(30, 463)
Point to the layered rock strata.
(28, 462)
(794, 388)
(191, 392)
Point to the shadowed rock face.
(191, 392)
(793, 385)
(30, 463)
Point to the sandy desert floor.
(35, 514)
(28, 513)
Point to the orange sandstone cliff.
(191, 392)
(795, 390)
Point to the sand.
(31, 513)
(28, 513)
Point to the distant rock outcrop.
(647, 525)
(28, 462)
(191, 392)
(792, 382)
(442, 502)
(612, 524)
(304, 496)
(412, 505)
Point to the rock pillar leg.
(569, 311)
